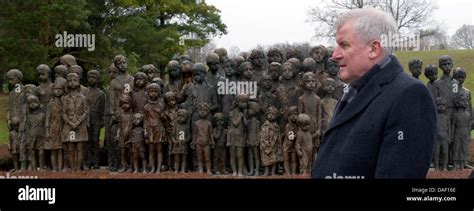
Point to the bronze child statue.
(54, 126)
(137, 139)
(203, 139)
(270, 141)
(304, 143)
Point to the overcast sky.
(265, 22)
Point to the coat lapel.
(365, 96)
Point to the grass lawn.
(3, 119)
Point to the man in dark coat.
(385, 124)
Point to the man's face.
(351, 55)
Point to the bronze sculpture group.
(183, 124)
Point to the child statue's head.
(431, 72)
(150, 71)
(229, 67)
(329, 85)
(415, 66)
(93, 77)
(125, 102)
(246, 69)
(218, 119)
(199, 72)
(170, 99)
(43, 73)
(32, 102)
(121, 63)
(14, 77)
(332, 67)
(459, 74)
(138, 119)
(182, 116)
(73, 81)
(309, 81)
(304, 121)
(274, 70)
(203, 110)
(318, 53)
(257, 58)
(271, 114)
(174, 69)
(288, 70)
(140, 80)
(153, 91)
(213, 61)
(445, 63)
(292, 114)
(58, 89)
(275, 55)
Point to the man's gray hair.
(369, 24)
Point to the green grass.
(461, 58)
(3, 119)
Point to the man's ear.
(375, 49)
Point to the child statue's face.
(293, 117)
(415, 69)
(259, 60)
(329, 87)
(33, 103)
(310, 83)
(271, 116)
(121, 64)
(243, 104)
(125, 106)
(58, 90)
(275, 58)
(229, 71)
(150, 72)
(171, 102)
(274, 72)
(73, 82)
(305, 126)
(199, 76)
(112, 73)
(446, 65)
(43, 75)
(174, 72)
(58, 73)
(137, 120)
(287, 72)
(267, 82)
(13, 80)
(181, 118)
(140, 82)
(153, 94)
(202, 111)
(432, 77)
(318, 55)
(220, 122)
(247, 71)
(92, 79)
(460, 78)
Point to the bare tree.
(233, 51)
(464, 37)
(199, 54)
(410, 15)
